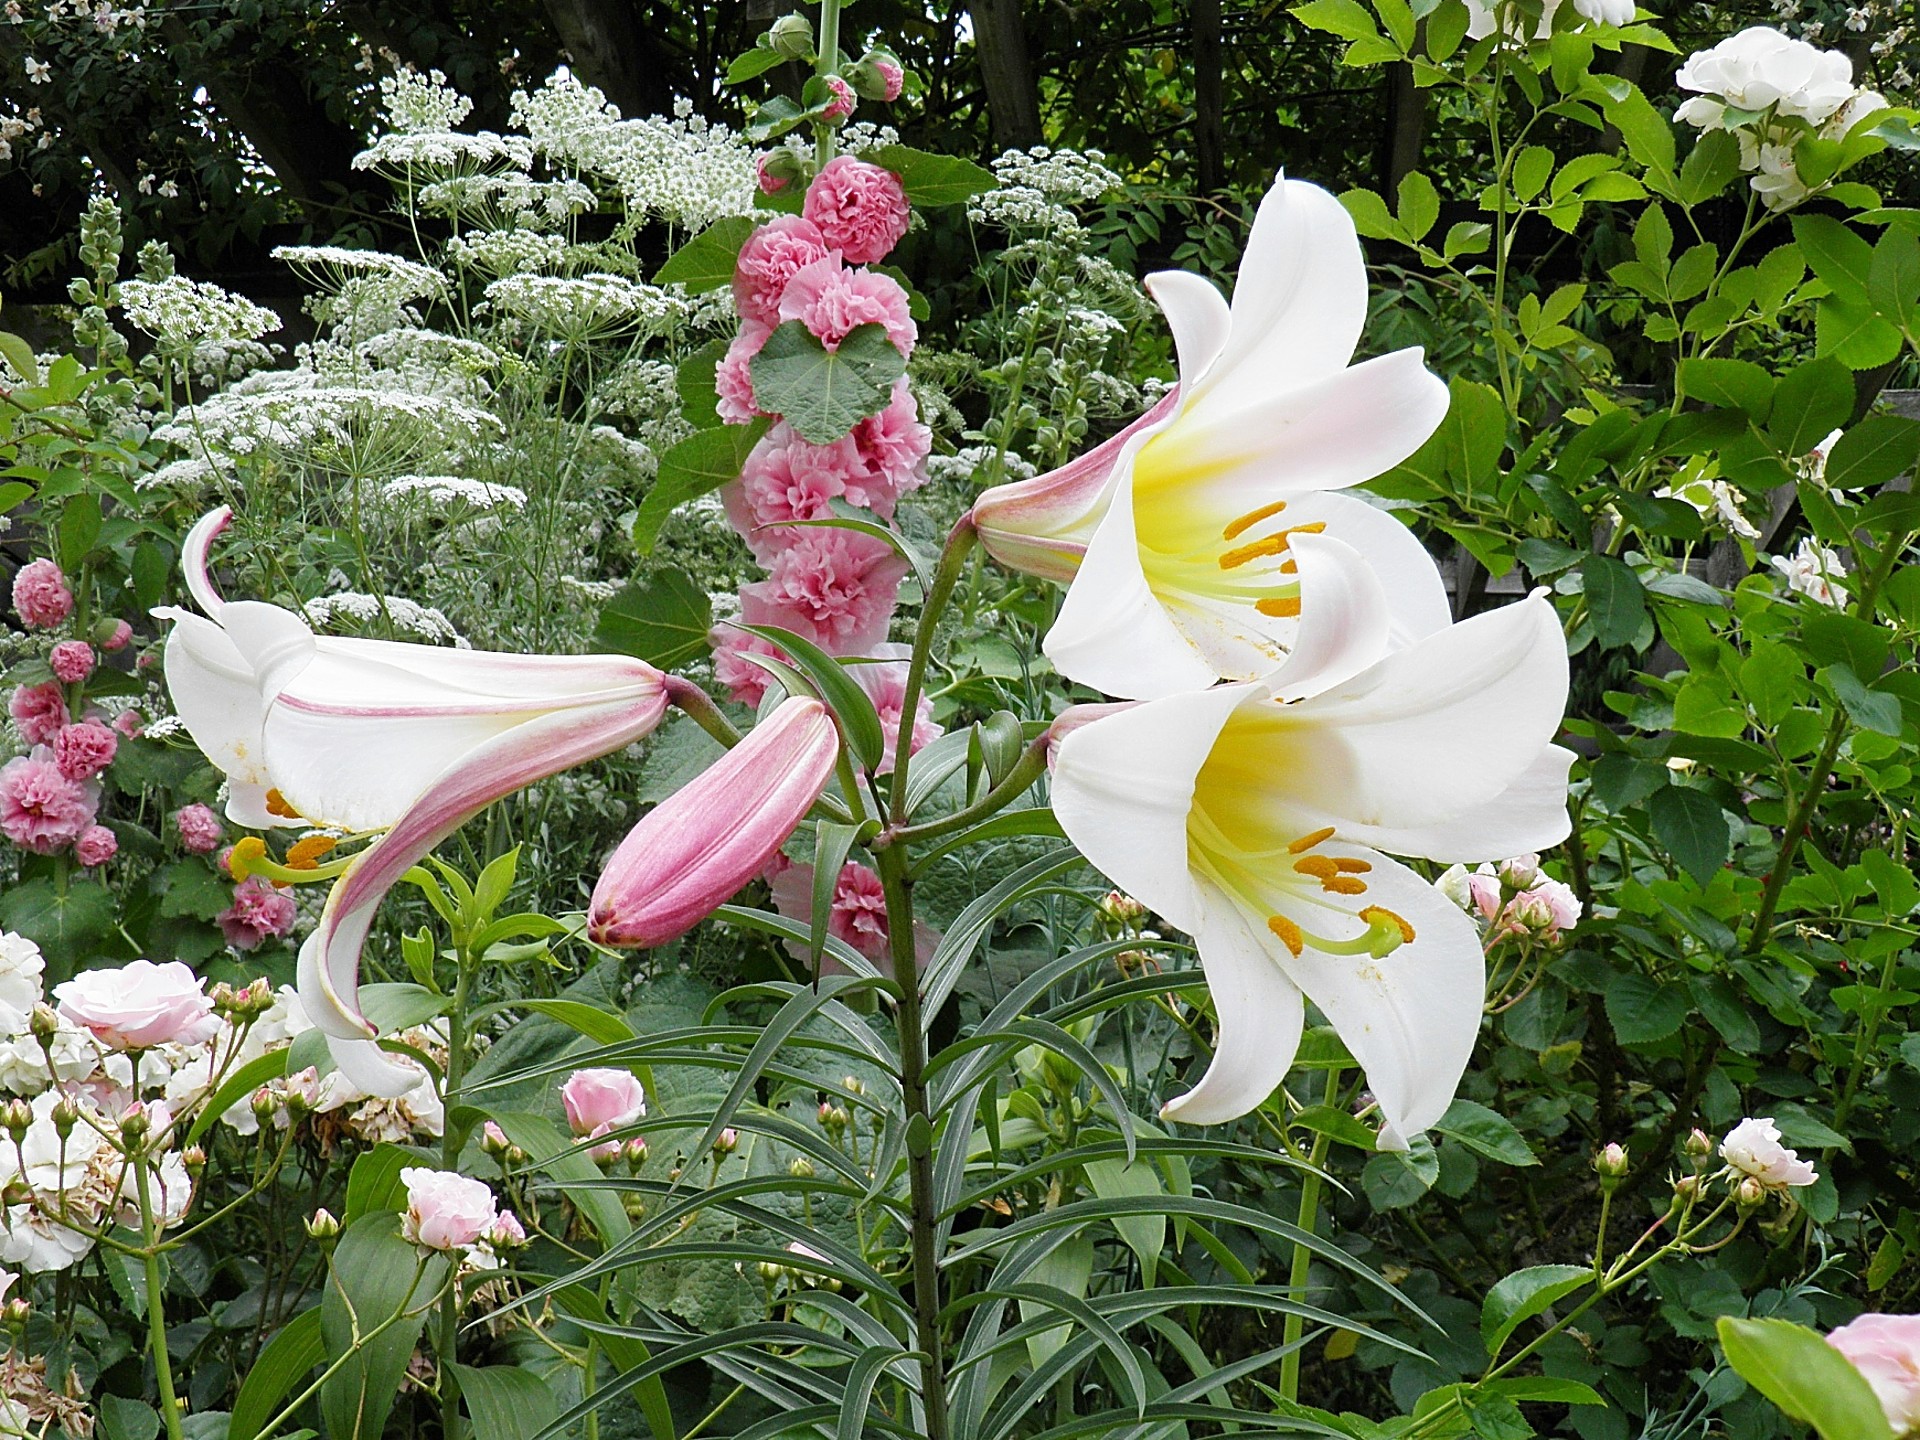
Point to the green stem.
(359, 1342)
(156, 1299)
(450, 1423)
(939, 591)
(922, 1232)
(1031, 765)
(1306, 1218)
(827, 63)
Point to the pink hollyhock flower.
(744, 682)
(861, 209)
(601, 1099)
(787, 479)
(843, 102)
(834, 587)
(770, 258)
(446, 1211)
(200, 829)
(1885, 1349)
(72, 661)
(139, 1005)
(733, 377)
(886, 686)
(40, 809)
(893, 447)
(259, 913)
(832, 301)
(40, 711)
(769, 183)
(118, 638)
(41, 595)
(858, 916)
(129, 724)
(96, 845)
(82, 751)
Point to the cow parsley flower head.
(181, 313)
(414, 104)
(445, 490)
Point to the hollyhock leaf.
(1805, 1376)
(696, 383)
(706, 262)
(824, 393)
(703, 461)
(751, 63)
(192, 888)
(19, 354)
(933, 179)
(663, 619)
(67, 927)
(79, 528)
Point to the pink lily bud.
(1041, 526)
(704, 842)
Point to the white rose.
(1760, 68)
(1753, 1148)
(36, 1243)
(21, 966)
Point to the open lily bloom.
(1255, 817)
(366, 735)
(1187, 575)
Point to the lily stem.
(939, 590)
(1307, 1217)
(1031, 765)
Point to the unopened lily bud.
(1611, 1163)
(791, 37)
(65, 1116)
(726, 1142)
(696, 849)
(44, 1023)
(17, 1117)
(194, 1158)
(800, 1168)
(1749, 1193)
(322, 1226)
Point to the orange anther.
(1344, 885)
(1284, 609)
(1350, 866)
(1307, 842)
(246, 849)
(277, 805)
(303, 854)
(1252, 518)
(1380, 912)
(1288, 932)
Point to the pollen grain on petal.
(1374, 914)
(1252, 518)
(1308, 841)
(1288, 932)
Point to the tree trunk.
(1406, 128)
(1209, 131)
(605, 47)
(1006, 70)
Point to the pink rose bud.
(507, 1232)
(119, 635)
(139, 1005)
(41, 595)
(1753, 1149)
(39, 711)
(493, 1140)
(727, 1141)
(72, 661)
(1885, 1349)
(701, 844)
(96, 846)
(446, 1211)
(602, 1099)
(861, 209)
(82, 751)
(843, 102)
(199, 829)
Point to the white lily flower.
(365, 735)
(1255, 817)
(1187, 575)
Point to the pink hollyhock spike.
(733, 377)
(744, 681)
(786, 479)
(893, 78)
(82, 751)
(259, 913)
(834, 587)
(1041, 526)
(832, 301)
(892, 447)
(859, 208)
(858, 917)
(701, 844)
(40, 711)
(41, 595)
(118, 638)
(886, 685)
(200, 829)
(40, 809)
(772, 256)
(72, 661)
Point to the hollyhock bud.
(602, 1099)
(791, 37)
(773, 172)
(1885, 1349)
(113, 635)
(1753, 1148)
(82, 751)
(199, 829)
(712, 836)
(39, 711)
(446, 1211)
(72, 661)
(876, 76)
(41, 596)
(96, 846)
(322, 1225)
(129, 725)
(139, 1005)
(893, 78)
(860, 208)
(842, 104)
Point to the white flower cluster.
(1483, 17)
(968, 466)
(585, 305)
(1716, 500)
(507, 252)
(443, 150)
(17, 125)
(291, 411)
(512, 197)
(180, 312)
(1073, 177)
(334, 265)
(455, 489)
(408, 615)
(1815, 572)
(416, 104)
(1771, 91)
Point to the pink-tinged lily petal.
(1041, 526)
(533, 750)
(193, 559)
(701, 844)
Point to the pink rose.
(834, 587)
(892, 77)
(72, 661)
(602, 1099)
(1885, 1349)
(96, 845)
(82, 751)
(118, 638)
(1753, 1148)
(886, 686)
(139, 1005)
(832, 301)
(446, 1211)
(786, 479)
(40, 809)
(259, 913)
(893, 447)
(860, 209)
(41, 595)
(199, 829)
(843, 102)
(770, 258)
(733, 377)
(39, 711)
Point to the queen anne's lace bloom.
(452, 489)
(182, 312)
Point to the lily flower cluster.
(1208, 543)
(1772, 92)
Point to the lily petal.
(1259, 1016)
(1529, 815)
(215, 696)
(193, 559)
(1416, 596)
(1196, 313)
(1350, 625)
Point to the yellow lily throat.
(1178, 555)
